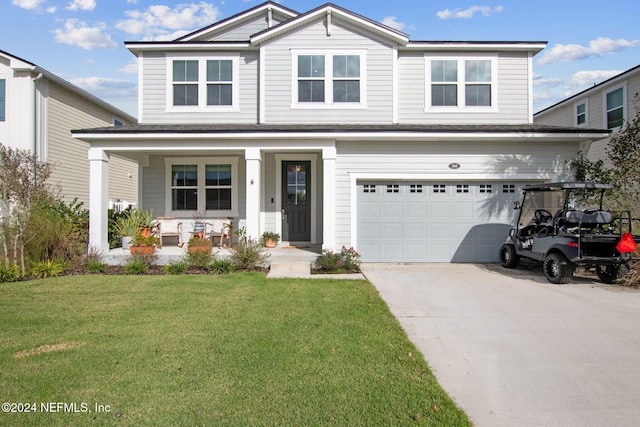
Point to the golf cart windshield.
(552, 201)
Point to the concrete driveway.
(514, 350)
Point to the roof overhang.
(475, 46)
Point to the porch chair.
(168, 226)
(221, 228)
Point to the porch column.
(329, 198)
(98, 199)
(253, 158)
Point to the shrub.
(221, 266)
(43, 269)
(199, 258)
(136, 266)
(248, 253)
(347, 260)
(95, 266)
(178, 267)
(10, 273)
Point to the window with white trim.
(614, 103)
(580, 113)
(202, 184)
(462, 188)
(209, 82)
(486, 188)
(439, 188)
(460, 83)
(3, 99)
(331, 78)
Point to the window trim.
(202, 82)
(461, 107)
(201, 162)
(586, 113)
(605, 122)
(329, 79)
(3, 99)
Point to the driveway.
(514, 350)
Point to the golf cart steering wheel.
(542, 215)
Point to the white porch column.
(98, 199)
(253, 158)
(329, 198)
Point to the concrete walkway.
(514, 350)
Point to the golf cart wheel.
(611, 273)
(508, 256)
(557, 268)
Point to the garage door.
(434, 221)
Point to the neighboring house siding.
(17, 129)
(279, 75)
(154, 96)
(496, 161)
(512, 95)
(70, 156)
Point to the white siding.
(385, 161)
(154, 96)
(279, 75)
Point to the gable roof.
(594, 88)
(247, 15)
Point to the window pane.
(217, 175)
(2, 99)
(444, 71)
(614, 99)
(478, 71)
(219, 95)
(478, 95)
(311, 91)
(184, 175)
(185, 71)
(185, 94)
(346, 66)
(444, 95)
(311, 66)
(614, 118)
(346, 91)
(218, 199)
(581, 119)
(581, 108)
(184, 199)
(219, 71)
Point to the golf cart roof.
(556, 186)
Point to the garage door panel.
(416, 210)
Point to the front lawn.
(234, 349)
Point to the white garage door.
(434, 221)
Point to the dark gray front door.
(296, 196)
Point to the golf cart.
(559, 226)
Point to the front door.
(296, 196)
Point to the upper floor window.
(209, 82)
(328, 78)
(580, 113)
(3, 84)
(614, 101)
(460, 82)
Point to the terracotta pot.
(193, 249)
(270, 243)
(144, 231)
(142, 250)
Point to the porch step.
(290, 269)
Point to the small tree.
(23, 184)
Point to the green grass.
(231, 350)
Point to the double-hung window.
(202, 184)
(3, 99)
(614, 102)
(580, 110)
(333, 78)
(460, 83)
(196, 84)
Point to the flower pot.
(144, 231)
(126, 242)
(142, 250)
(270, 243)
(193, 249)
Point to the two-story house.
(38, 109)
(607, 105)
(333, 129)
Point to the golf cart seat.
(587, 218)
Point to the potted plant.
(199, 244)
(270, 239)
(126, 226)
(144, 245)
(198, 225)
(145, 221)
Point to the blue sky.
(82, 41)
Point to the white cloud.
(159, 20)
(598, 47)
(550, 81)
(590, 78)
(28, 4)
(82, 5)
(51, 9)
(468, 13)
(130, 68)
(101, 85)
(79, 34)
(390, 21)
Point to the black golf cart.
(563, 226)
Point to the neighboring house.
(334, 129)
(606, 105)
(37, 112)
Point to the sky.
(82, 41)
